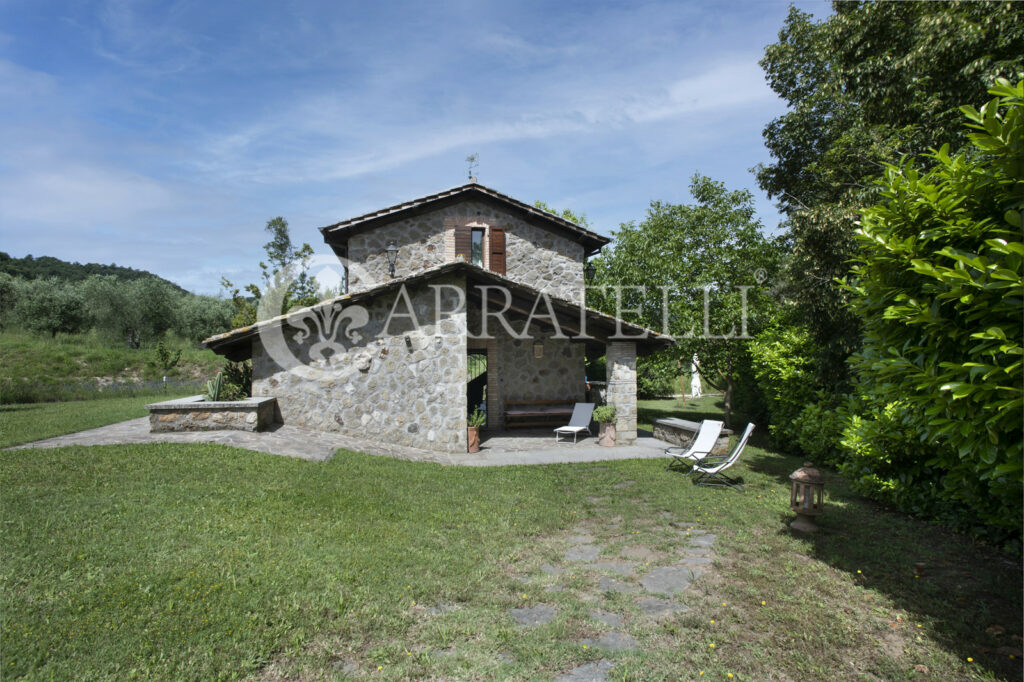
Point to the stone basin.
(195, 413)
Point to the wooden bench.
(682, 432)
(537, 412)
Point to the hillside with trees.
(45, 267)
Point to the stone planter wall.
(196, 414)
(682, 432)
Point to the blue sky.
(163, 136)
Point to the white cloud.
(277, 149)
(20, 84)
(80, 193)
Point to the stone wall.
(541, 258)
(558, 375)
(196, 414)
(421, 245)
(402, 385)
(621, 389)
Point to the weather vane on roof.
(473, 160)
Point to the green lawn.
(202, 562)
(35, 368)
(35, 421)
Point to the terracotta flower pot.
(606, 435)
(474, 439)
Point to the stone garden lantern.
(807, 497)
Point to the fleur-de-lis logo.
(324, 325)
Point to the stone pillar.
(495, 418)
(621, 364)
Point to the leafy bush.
(656, 376)
(604, 414)
(783, 367)
(239, 376)
(939, 286)
(886, 460)
(818, 430)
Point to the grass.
(206, 562)
(36, 368)
(35, 421)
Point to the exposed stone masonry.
(401, 385)
(196, 414)
(541, 258)
(621, 368)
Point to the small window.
(477, 248)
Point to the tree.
(134, 311)
(285, 268)
(8, 296)
(49, 306)
(200, 317)
(691, 260)
(873, 81)
(566, 213)
(938, 284)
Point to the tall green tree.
(698, 269)
(284, 275)
(938, 284)
(872, 81)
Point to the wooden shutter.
(498, 250)
(463, 242)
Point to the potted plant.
(605, 416)
(475, 420)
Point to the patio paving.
(524, 446)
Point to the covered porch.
(539, 358)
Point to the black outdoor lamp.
(392, 252)
(588, 272)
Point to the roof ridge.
(452, 191)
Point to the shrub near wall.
(939, 288)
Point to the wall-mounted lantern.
(392, 252)
(588, 272)
(807, 497)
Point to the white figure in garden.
(695, 388)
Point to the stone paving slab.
(669, 579)
(612, 585)
(706, 540)
(653, 606)
(613, 641)
(582, 553)
(320, 446)
(620, 567)
(610, 619)
(534, 615)
(289, 441)
(591, 672)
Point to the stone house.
(475, 272)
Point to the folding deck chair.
(701, 446)
(580, 421)
(709, 469)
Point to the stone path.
(654, 583)
(320, 446)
